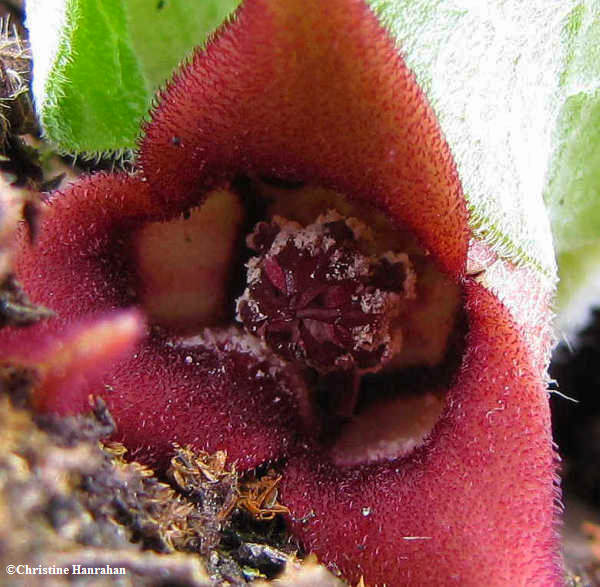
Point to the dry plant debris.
(16, 106)
(69, 496)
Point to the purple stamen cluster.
(315, 297)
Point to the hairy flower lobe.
(313, 95)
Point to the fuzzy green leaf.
(573, 193)
(97, 63)
(177, 27)
(493, 73)
(88, 85)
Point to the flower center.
(314, 297)
(356, 307)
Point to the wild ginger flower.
(403, 400)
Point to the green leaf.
(177, 27)
(574, 190)
(579, 288)
(494, 73)
(97, 63)
(573, 193)
(89, 88)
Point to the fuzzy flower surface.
(289, 276)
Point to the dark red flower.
(413, 453)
